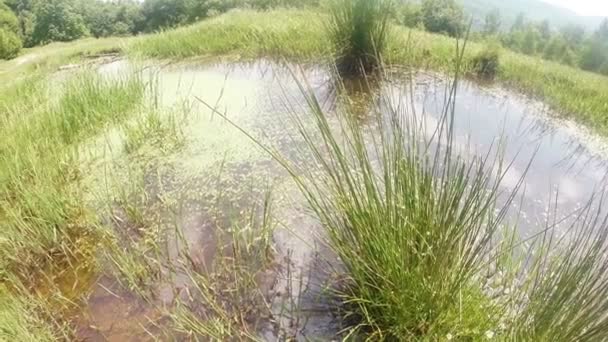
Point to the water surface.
(220, 172)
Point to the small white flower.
(489, 334)
(449, 337)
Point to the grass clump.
(45, 224)
(411, 220)
(486, 63)
(565, 294)
(359, 30)
(423, 241)
(91, 101)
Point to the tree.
(519, 23)
(165, 13)
(544, 28)
(574, 35)
(593, 56)
(57, 20)
(112, 18)
(443, 16)
(530, 41)
(555, 48)
(8, 20)
(411, 14)
(492, 23)
(601, 33)
(24, 12)
(10, 42)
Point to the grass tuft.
(359, 30)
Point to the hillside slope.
(533, 9)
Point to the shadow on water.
(219, 174)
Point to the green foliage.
(268, 4)
(594, 55)
(105, 19)
(247, 33)
(57, 20)
(492, 23)
(165, 13)
(487, 62)
(411, 233)
(519, 23)
(8, 20)
(10, 44)
(443, 16)
(359, 30)
(410, 14)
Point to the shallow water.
(219, 173)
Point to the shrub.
(359, 29)
(443, 16)
(10, 44)
(487, 62)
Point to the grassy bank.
(573, 93)
(45, 224)
(45, 59)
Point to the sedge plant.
(359, 31)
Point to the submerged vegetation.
(416, 220)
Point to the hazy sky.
(584, 7)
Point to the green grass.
(359, 30)
(417, 226)
(44, 222)
(415, 237)
(48, 58)
(18, 320)
(411, 225)
(245, 34)
(301, 35)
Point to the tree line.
(26, 23)
(570, 44)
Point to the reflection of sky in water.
(560, 161)
(258, 97)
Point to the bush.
(359, 29)
(443, 16)
(487, 62)
(10, 44)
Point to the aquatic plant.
(416, 223)
(359, 30)
(410, 218)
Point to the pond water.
(219, 172)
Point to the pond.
(220, 173)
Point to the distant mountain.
(536, 10)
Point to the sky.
(584, 7)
